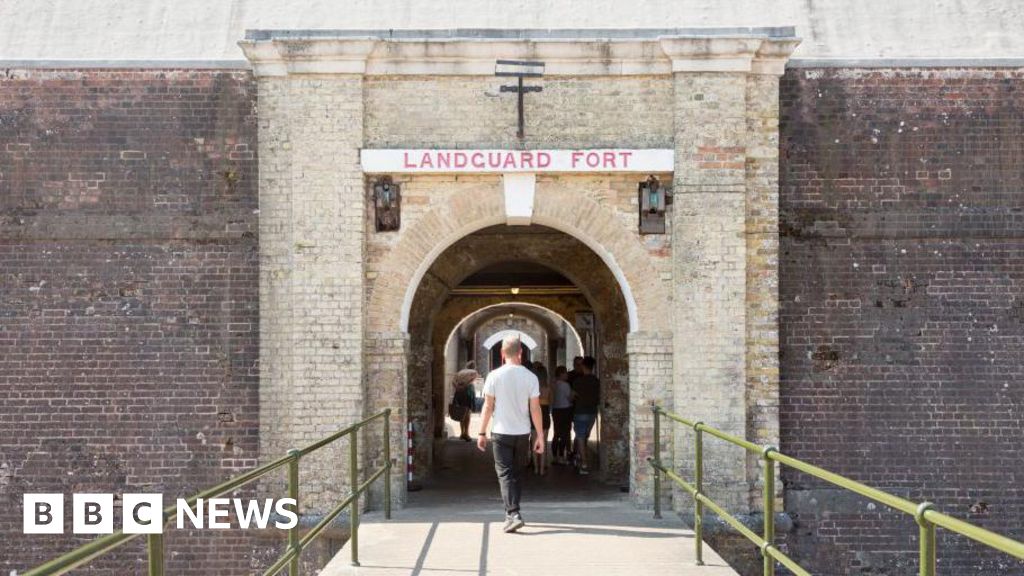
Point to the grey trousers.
(509, 453)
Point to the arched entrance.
(536, 265)
(623, 295)
(339, 113)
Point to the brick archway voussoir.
(472, 209)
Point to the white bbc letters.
(92, 514)
(43, 514)
(186, 511)
(218, 508)
(142, 513)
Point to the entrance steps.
(607, 537)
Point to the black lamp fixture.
(652, 201)
(387, 204)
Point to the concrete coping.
(523, 33)
(569, 52)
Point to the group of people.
(523, 404)
(571, 403)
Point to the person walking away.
(561, 413)
(577, 370)
(461, 407)
(587, 399)
(540, 463)
(512, 397)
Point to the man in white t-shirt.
(512, 396)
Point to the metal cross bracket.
(520, 69)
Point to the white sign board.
(397, 161)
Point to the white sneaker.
(513, 523)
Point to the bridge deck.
(574, 525)
(607, 538)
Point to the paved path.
(575, 525)
(592, 538)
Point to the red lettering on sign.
(426, 161)
(576, 158)
(460, 160)
(609, 159)
(405, 161)
(543, 159)
(444, 160)
(477, 160)
(510, 161)
(527, 160)
(625, 158)
(593, 159)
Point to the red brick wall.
(128, 295)
(902, 319)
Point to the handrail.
(100, 546)
(924, 514)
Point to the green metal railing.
(155, 545)
(924, 514)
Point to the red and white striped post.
(411, 486)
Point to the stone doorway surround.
(703, 332)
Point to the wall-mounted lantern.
(653, 200)
(387, 204)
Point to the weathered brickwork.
(128, 297)
(902, 308)
(311, 277)
(469, 111)
(709, 254)
(762, 268)
(650, 383)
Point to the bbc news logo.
(141, 513)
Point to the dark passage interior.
(558, 297)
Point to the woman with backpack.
(461, 406)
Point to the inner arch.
(607, 257)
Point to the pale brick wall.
(710, 272)
(386, 372)
(311, 277)
(469, 111)
(650, 384)
(762, 338)
(708, 286)
(600, 209)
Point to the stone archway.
(436, 312)
(563, 204)
(560, 205)
(336, 296)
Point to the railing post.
(155, 548)
(353, 478)
(698, 506)
(387, 464)
(926, 535)
(657, 461)
(293, 493)
(769, 510)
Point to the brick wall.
(902, 308)
(128, 296)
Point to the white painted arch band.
(525, 338)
